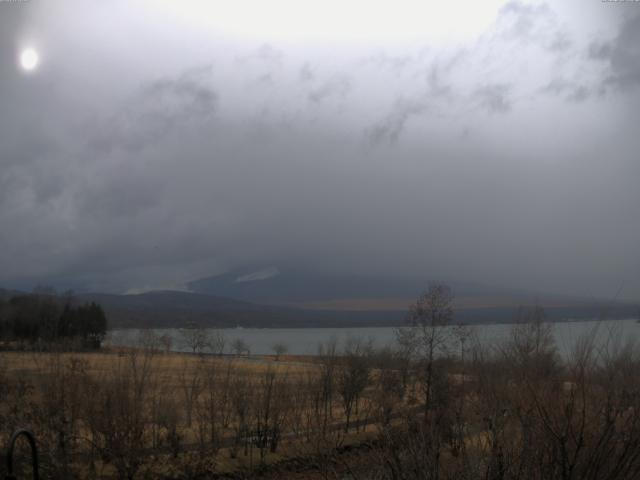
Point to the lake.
(305, 341)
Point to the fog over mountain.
(159, 143)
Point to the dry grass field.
(172, 364)
(125, 411)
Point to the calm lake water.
(305, 341)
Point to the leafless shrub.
(279, 349)
(215, 408)
(117, 416)
(195, 338)
(353, 377)
(217, 342)
(190, 378)
(426, 337)
(240, 347)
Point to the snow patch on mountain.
(259, 275)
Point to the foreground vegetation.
(435, 407)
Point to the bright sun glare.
(29, 59)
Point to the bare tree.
(353, 376)
(426, 335)
(117, 416)
(270, 410)
(240, 347)
(388, 385)
(62, 391)
(279, 349)
(532, 345)
(328, 356)
(165, 340)
(190, 385)
(148, 340)
(218, 342)
(216, 408)
(166, 423)
(195, 338)
(240, 395)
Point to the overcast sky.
(158, 142)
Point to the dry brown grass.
(168, 373)
(99, 363)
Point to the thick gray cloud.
(495, 98)
(622, 54)
(157, 108)
(507, 156)
(389, 128)
(571, 91)
(337, 86)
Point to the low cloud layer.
(506, 157)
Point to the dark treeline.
(46, 317)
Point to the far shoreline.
(351, 327)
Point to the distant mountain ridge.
(290, 286)
(318, 291)
(171, 309)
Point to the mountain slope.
(178, 309)
(317, 291)
(170, 309)
(290, 286)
